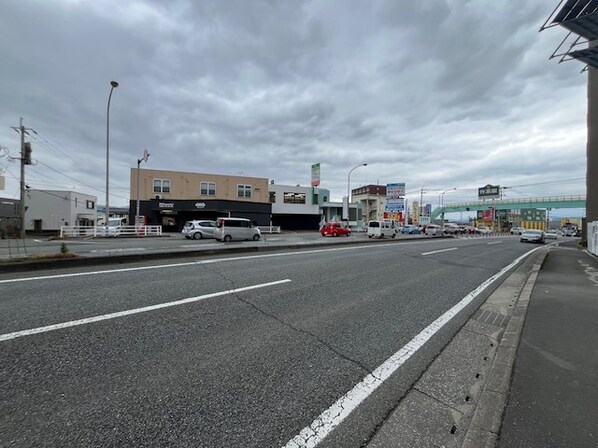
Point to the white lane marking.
(88, 320)
(495, 242)
(194, 263)
(438, 251)
(327, 421)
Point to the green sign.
(533, 214)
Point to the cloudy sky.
(434, 93)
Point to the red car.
(335, 229)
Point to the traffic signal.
(27, 155)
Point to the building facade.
(48, 210)
(372, 201)
(169, 198)
(10, 222)
(296, 207)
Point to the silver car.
(228, 229)
(199, 229)
(532, 236)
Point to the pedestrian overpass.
(512, 204)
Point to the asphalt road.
(229, 367)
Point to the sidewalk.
(553, 401)
(521, 373)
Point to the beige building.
(176, 185)
(169, 198)
(372, 199)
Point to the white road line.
(495, 242)
(327, 421)
(438, 251)
(215, 260)
(88, 320)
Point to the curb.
(485, 425)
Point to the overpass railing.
(575, 198)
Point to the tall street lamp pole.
(349, 187)
(442, 205)
(143, 159)
(114, 85)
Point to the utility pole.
(421, 201)
(25, 160)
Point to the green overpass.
(513, 204)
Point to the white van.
(228, 229)
(381, 229)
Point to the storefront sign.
(489, 192)
(395, 190)
(315, 175)
(166, 204)
(200, 204)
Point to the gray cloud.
(435, 93)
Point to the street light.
(349, 188)
(114, 85)
(143, 159)
(442, 205)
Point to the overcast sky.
(434, 93)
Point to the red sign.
(488, 215)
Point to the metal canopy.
(588, 55)
(580, 17)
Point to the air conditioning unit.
(158, 197)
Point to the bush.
(63, 248)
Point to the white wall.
(56, 208)
(593, 237)
(280, 208)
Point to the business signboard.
(489, 192)
(395, 190)
(395, 205)
(398, 216)
(486, 215)
(533, 214)
(315, 175)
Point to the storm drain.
(492, 318)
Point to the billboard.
(395, 205)
(489, 192)
(395, 190)
(315, 175)
(533, 214)
(394, 216)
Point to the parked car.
(335, 229)
(199, 229)
(451, 229)
(381, 229)
(516, 230)
(433, 229)
(483, 230)
(467, 229)
(532, 236)
(411, 229)
(228, 229)
(551, 234)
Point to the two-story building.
(169, 198)
(297, 207)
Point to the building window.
(161, 186)
(207, 189)
(272, 197)
(90, 205)
(244, 191)
(294, 198)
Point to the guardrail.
(269, 229)
(103, 232)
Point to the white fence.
(94, 232)
(593, 237)
(269, 229)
